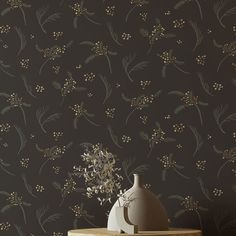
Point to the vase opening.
(138, 181)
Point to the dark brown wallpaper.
(150, 84)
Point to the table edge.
(92, 231)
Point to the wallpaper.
(94, 91)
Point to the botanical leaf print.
(67, 189)
(168, 163)
(128, 68)
(79, 10)
(13, 102)
(198, 140)
(218, 113)
(188, 100)
(79, 112)
(221, 12)
(81, 213)
(16, 4)
(157, 33)
(181, 3)
(52, 53)
(189, 204)
(4, 68)
(138, 103)
(22, 40)
(135, 4)
(4, 167)
(99, 49)
(28, 186)
(229, 154)
(42, 220)
(42, 120)
(228, 48)
(198, 34)
(205, 85)
(14, 200)
(22, 138)
(158, 136)
(114, 35)
(51, 153)
(40, 13)
(108, 88)
(128, 164)
(92, 92)
(170, 60)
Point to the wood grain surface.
(105, 232)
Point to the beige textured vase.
(144, 210)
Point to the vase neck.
(137, 181)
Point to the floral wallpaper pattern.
(94, 91)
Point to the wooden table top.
(105, 232)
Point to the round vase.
(144, 209)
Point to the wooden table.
(105, 232)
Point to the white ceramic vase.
(144, 211)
